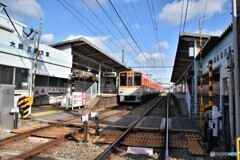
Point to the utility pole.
(122, 56)
(236, 37)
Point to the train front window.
(137, 79)
(129, 81)
(123, 79)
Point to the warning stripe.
(24, 103)
(21, 98)
(238, 148)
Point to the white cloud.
(136, 26)
(98, 41)
(23, 9)
(171, 12)
(164, 45)
(211, 32)
(146, 57)
(214, 33)
(47, 38)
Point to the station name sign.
(109, 74)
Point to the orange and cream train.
(134, 86)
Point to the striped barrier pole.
(210, 84)
(24, 103)
(238, 148)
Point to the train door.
(130, 79)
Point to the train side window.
(129, 81)
(137, 79)
(123, 79)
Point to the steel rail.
(43, 147)
(29, 133)
(109, 149)
(21, 136)
(167, 130)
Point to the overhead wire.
(129, 32)
(85, 24)
(205, 8)
(185, 19)
(123, 47)
(180, 28)
(139, 22)
(155, 29)
(11, 21)
(126, 20)
(111, 20)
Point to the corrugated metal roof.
(182, 60)
(87, 55)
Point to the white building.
(17, 54)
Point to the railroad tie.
(194, 148)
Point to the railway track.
(158, 140)
(181, 144)
(56, 133)
(109, 150)
(172, 143)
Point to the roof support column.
(236, 66)
(231, 107)
(99, 78)
(195, 62)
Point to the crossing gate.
(24, 103)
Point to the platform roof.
(182, 60)
(213, 41)
(86, 56)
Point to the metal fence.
(91, 93)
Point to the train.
(134, 86)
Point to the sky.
(147, 30)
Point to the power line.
(204, 13)
(139, 22)
(93, 26)
(105, 12)
(155, 29)
(100, 20)
(129, 15)
(129, 31)
(123, 17)
(11, 22)
(185, 15)
(106, 27)
(133, 23)
(181, 17)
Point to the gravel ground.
(5, 134)
(140, 109)
(73, 151)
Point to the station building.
(17, 54)
(55, 63)
(186, 74)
